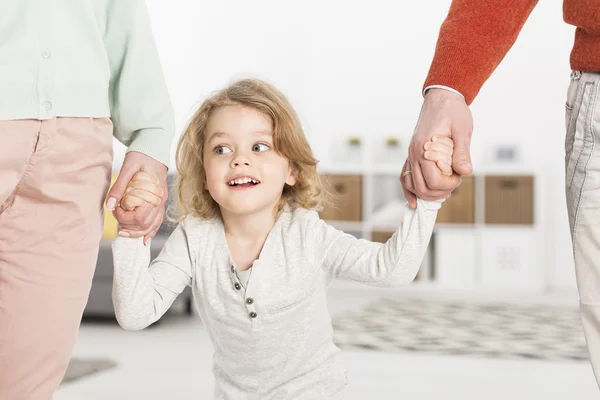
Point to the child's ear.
(291, 179)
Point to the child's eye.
(260, 147)
(222, 150)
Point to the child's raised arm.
(142, 290)
(391, 264)
(398, 260)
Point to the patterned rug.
(79, 368)
(452, 327)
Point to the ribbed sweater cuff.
(155, 143)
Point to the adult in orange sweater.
(473, 40)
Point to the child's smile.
(242, 182)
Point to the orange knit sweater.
(477, 34)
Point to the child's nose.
(240, 161)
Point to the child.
(257, 256)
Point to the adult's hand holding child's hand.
(444, 114)
(137, 220)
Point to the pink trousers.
(54, 175)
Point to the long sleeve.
(391, 264)
(142, 290)
(473, 40)
(141, 109)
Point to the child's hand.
(143, 188)
(440, 150)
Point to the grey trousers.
(582, 161)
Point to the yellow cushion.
(110, 223)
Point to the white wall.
(357, 66)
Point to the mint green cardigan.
(86, 58)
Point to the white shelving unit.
(507, 256)
(462, 256)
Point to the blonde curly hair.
(288, 141)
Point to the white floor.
(173, 361)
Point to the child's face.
(244, 174)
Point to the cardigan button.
(249, 300)
(237, 286)
(253, 314)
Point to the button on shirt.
(274, 334)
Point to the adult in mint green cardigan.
(73, 74)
